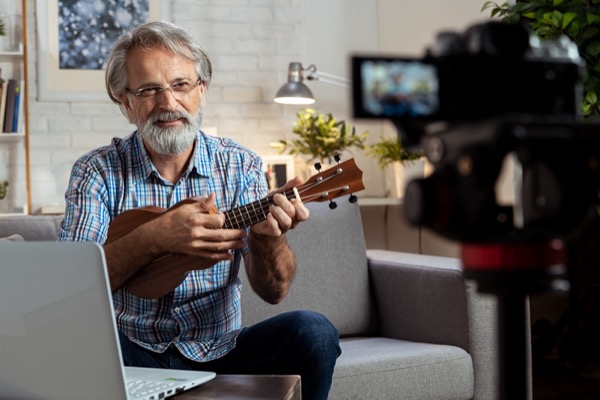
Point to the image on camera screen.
(395, 88)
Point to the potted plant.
(400, 165)
(321, 136)
(577, 19)
(391, 150)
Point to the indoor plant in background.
(319, 137)
(577, 19)
(3, 189)
(4, 39)
(399, 164)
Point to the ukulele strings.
(249, 214)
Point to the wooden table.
(258, 387)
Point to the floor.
(567, 337)
(553, 380)
(558, 370)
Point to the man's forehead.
(158, 65)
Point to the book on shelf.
(15, 121)
(3, 92)
(9, 112)
(11, 106)
(19, 124)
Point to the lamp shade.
(294, 91)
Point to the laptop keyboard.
(152, 390)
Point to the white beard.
(170, 140)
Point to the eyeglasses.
(179, 89)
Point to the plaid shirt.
(202, 316)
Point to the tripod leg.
(513, 346)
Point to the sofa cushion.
(332, 276)
(381, 368)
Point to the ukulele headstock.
(342, 179)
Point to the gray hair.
(152, 35)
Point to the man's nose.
(167, 98)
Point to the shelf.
(15, 53)
(379, 201)
(14, 146)
(16, 211)
(11, 137)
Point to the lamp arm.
(315, 75)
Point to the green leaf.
(567, 18)
(592, 18)
(557, 3)
(591, 97)
(489, 4)
(593, 48)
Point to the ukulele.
(168, 270)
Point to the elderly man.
(159, 75)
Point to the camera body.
(493, 68)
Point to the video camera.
(491, 69)
(474, 99)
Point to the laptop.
(58, 335)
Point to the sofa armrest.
(427, 299)
(420, 298)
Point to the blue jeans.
(301, 343)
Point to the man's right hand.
(195, 229)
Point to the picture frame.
(71, 84)
(278, 169)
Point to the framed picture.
(278, 170)
(74, 40)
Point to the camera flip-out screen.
(394, 88)
(463, 87)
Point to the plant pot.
(397, 175)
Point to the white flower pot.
(397, 176)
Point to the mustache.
(170, 116)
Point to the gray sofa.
(411, 326)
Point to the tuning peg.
(332, 204)
(337, 158)
(318, 166)
(353, 198)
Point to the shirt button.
(177, 309)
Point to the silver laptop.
(58, 336)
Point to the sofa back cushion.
(332, 276)
(30, 227)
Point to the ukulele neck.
(250, 214)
